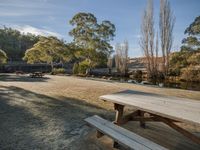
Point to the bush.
(83, 66)
(58, 71)
(190, 74)
(138, 74)
(160, 77)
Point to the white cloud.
(30, 29)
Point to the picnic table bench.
(121, 135)
(149, 107)
(36, 75)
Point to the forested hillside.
(15, 43)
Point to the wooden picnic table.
(36, 74)
(153, 107)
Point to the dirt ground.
(49, 112)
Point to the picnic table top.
(181, 109)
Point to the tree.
(92, 38)
(186, 62)
(3, 57)
(194, 27)
(192, 42)
(15, 44)
(166, 25)
(121, 57)
(49, 50)
(147, 41)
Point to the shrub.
(138, 74)
(190, 74)
(83, 66)
(58, 71)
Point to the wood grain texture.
(122, 135)
(184, 110)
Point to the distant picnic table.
(36, 75)
(148, 107)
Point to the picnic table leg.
(119, 113)
(142, 122)
(118, 119)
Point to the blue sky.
(51, 17)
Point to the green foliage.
(194, 27)
(192, 41)
(183, 64)
(3, 57)
(83, 66)
(191, 73)
(15, 44)
(49, 50)
(195, 58)
(33, 56)
(186, 63)
(91, 38)
(58, 71)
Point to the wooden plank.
(142, 122)
(119, 113)
(181, 130)
(184, 110)
(123, 136)
(130, 117)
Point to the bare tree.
(121, 57)
(166, 25)
(126, 48)
(110, 64)
(156, 57)
(147, 40)
(117, 56)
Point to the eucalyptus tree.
(188, 58)
(49, 50)
(92, 38)
(192, 41)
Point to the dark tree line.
(14, 43)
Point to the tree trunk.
(52, 66)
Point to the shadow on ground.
(34, 121)
(29, 120)
(21, 78)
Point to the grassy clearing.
(48, 113)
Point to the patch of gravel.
(35, 121)
(49, 113)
